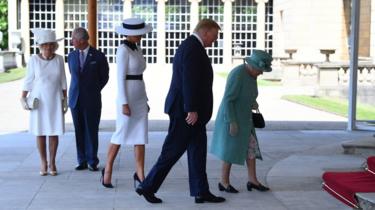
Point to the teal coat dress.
(240, 94)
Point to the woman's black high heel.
(136, 179)
(109, 185)
(259, 187)
(229, 189)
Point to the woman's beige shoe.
(43, 170)
(43, 173)
(53, 173)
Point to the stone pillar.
(12, 23)
(161, 32)
(60, 25)
(25, 28)
(14, 35)
(227, 32)
(127, 9)
(194, 13)
(372, 31)
(92, 21)
(261, 20)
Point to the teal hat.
(260, 60)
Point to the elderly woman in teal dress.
(234, 139)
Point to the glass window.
(214, 9)
(244, 27)
(38, 10)
(146, 10)
(109, 16)
(269, 26)
(75, 15)
(177, 25)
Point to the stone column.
(160, 32)
(92, 21)
(372, 30)
(12, 23)
(25, 28)
(194, 13)
(14, 35)
(261, 19)
(127, 9)
(60, 25)
(227, 32)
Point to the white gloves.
(233, 128)
(24, 104)
(65, 104)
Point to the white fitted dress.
(133, 129)
(45, 80)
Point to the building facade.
(246, 25)
(310, 26)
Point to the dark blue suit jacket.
(191, 86)
(87, 85)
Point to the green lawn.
(260, 81)
(12, 74)
(333, 105)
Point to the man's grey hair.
(80, 33)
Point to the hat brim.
(133, 32)
(255, 65)
(49, 41)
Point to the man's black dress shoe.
(259, 187)
(81, 166)
(149, 196)
(229, 189)
(209, 197)
(93, 167)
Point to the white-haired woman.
(45, 83)
(234, 138)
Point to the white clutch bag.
(30, 103)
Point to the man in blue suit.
(89, 74)
(189, 106)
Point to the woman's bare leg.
(139, 153)
(111, 156)
(251, 170)
(41, 144)
(225, 173)
(53, 144)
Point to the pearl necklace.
(47, 58)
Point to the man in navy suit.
(89, 74)
(189, 106)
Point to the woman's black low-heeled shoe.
(229, 189)
(136, 179)
(259, 187)
(109, 185)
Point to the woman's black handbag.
(258, 119)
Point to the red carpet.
(344, 185)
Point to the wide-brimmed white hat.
(42, 36)
(133, 27)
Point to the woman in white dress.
(45, 82)
(132, 108)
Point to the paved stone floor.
(293, 163)
(298, 145)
